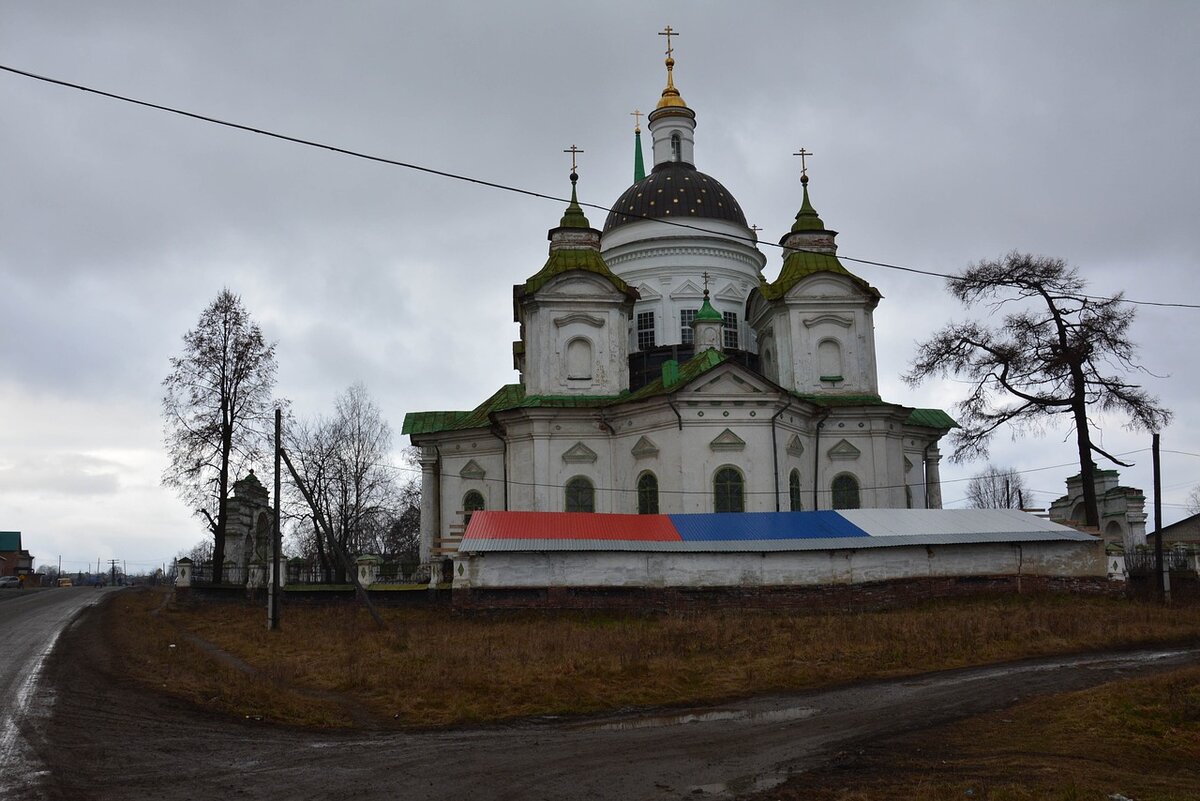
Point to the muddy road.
(106, 738)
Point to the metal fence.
(304, 573)
(1176, 558)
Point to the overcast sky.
(944, 132)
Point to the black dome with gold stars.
(675, 190)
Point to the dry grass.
(432, 669)
(1139, 739)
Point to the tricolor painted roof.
(756, 531)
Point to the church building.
(662, 372)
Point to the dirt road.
(108, 739)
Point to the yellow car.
(64, 582)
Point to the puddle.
(750, 784)
(734, 715)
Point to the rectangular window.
(731, 330)
(685, 325)
(645, 330)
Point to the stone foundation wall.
(833, 597)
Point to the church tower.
(672, 226)
(814, 322)
(574, 315)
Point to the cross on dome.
(573, 151)
(803, 154)
(637, 120)
(669, 32)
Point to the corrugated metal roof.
(762, 546)
(741, 526)
(756, 531)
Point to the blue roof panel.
(739, 526)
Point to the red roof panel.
(570, 526)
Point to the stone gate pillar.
(933, 478)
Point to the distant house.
(14, 561)
(1185, 532)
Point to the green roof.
(565, 260)
(801, 264)
(574, 217)
(931, 418)
(807, 218)
(707, 312)
(512, 396)
(10, 540)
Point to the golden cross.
(803, 154)
(668, 32)
(637, 120)
(573, 151)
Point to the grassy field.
(1137, 739)
(330, 666)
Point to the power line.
(493, 184)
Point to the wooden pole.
(276, 538)
(1159, 579)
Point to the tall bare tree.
(1057, 352)
(342, 472)
(217, 411)
(996, 488)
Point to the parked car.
(9, 581)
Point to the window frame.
(839, 503)
(571, 496)
(731, 330)
(647, 504)
(644, 334)
(723, 490)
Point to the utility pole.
(112, 563)
(276, 539)
(1160, 579)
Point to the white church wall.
(788, 568)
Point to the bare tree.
(996, 488)
(216, 410)
(341, 471)
(1193, 501)
(1058, 353)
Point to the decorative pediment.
(728, 383)
(644, 448)
(794, 446)
(472, 470)
(843, 450)
(579, 454)
(647, 291)
(834, 319)
(579, 317)
(908, 465)
(727, 441)
(688, 289)
(731, 292)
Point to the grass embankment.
(432, 669)
(1137, 739)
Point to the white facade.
(786, 418)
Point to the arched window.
(581, 495)
(728, 490)
(794, 491)
(472, 502)
(579, 358)
(647, 488)
(676, 148)
(845, 492)
(829, 359)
